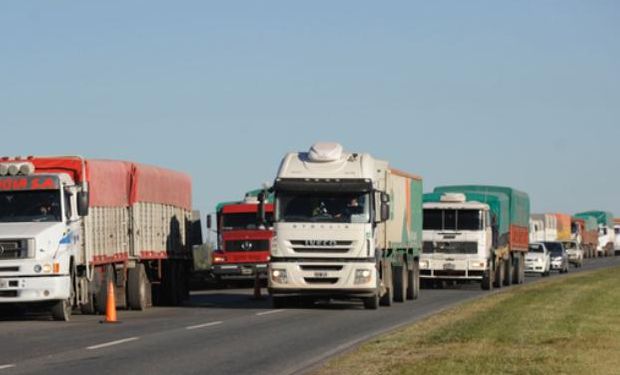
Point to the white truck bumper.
(323, 278)
(18, 289)
(472, 269)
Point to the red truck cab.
(243, 244)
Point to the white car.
(575, 252)
(538, 259)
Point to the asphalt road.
(219, 332)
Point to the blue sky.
(519, 93)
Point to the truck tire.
(487, 280)
(371, 303)
(509, 272)
(499, 275)
(138, 288)
(519, 269)
(388, 297)
(61, 310)
(413, 282)
(400, 283)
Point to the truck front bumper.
(244, 270)
(34, 288)
(327, 279)
(452, 270)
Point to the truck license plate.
(448, 266)
(320, 274)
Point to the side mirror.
(385, 211)
(209, 223)
(261, 208)
(83, 201)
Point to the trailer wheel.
(518, 274)
(413, 283)
(138, 288)
(400, 282)
(499, 274)
(508, 272)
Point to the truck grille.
(247, 245)
(314, 247)
(13, 249)
(319, 267)
(321, 280)
(442, 247)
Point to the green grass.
(561, 326)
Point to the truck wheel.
(413, 282)
(371, 303)
(388, 297)
(519, 269)
(509, 272)
(88, 308)
(499, 274)
(62, 310)
(487, 280)
(400, 282)
(138, 288)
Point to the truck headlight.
(38, 268)
(478, 264)
(279, 276)
(218, 259)
(424, 264)
(363, 276)
(47, 268)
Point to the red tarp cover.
(115, 183)
(158, 185)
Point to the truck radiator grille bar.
(9, 269)
(321, 280)
(443, 247)
(13, 249)
(246, 245)
(320, 267)
(321, 246)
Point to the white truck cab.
(39, 236)
(458, 239)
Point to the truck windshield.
(322, 207)
(449, 219)
(570, 245)
(30, 206)
(244, 220)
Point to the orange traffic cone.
(110, 309)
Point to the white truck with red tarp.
(69, 226)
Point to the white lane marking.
(4, 367)
(269, 312)
(112, 343)
(204, 325)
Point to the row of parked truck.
(334, 224)
(351, 226)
